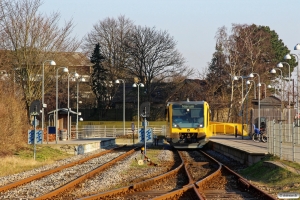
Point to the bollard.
(235, 131)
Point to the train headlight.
(200, 125)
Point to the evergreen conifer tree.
(98, 79)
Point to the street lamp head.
(251, 75)
(65, 70)
(81, 119)
(297, 47)
(273, 71)
(280, 65)
(82, 79)
(269, 86)
(134, 85)
(141, 85)
(258, 84)
(117, 81)
(235, 78)
(52, 62)
(287, 57)
(76, 75)
(248, 82)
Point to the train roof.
(185, 102)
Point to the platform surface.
(243, 144)
(78, 141)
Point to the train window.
(196, 113)
(187, 116)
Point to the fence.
(102, 131)
(284, 140)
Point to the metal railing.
(284, 140)
(103, 131)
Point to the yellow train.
(188, 123)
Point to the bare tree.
(32, 38)
(248, 49)
(111, 34)
(154, 57)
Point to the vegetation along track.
(53, 181)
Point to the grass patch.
(280, 179)
(152, 154)
(23, 160)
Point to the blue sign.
(80, 150)
(149, 133)
(51, 129)
(38, 136)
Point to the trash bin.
(63, 135)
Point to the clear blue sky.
(192, 23)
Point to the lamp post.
(56, 118)
(251, 76)
(138, 105)
(248, 83)
(265, 88)
(273, 71)
(43, 99)
(297, 47)
(68, 121)
(77, 88)
(118, 81)
(280, 65)
(288, 57)
(236, 78)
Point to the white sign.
(149, 135)
(38, 136)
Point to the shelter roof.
(63, 111)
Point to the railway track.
(224, 183)
(51, 182)
(199, 176)
(192, 175)
(177, 179)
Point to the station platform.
(243, 149)
(81, 146)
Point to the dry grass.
(275, 179)
(13, 120)
(12, 165)
(23, 160)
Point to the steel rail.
(85, 176)
(147, 183)
(48, 172)
(193, 186)
(243, 182)
(135, 187)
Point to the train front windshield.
(188, 116)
